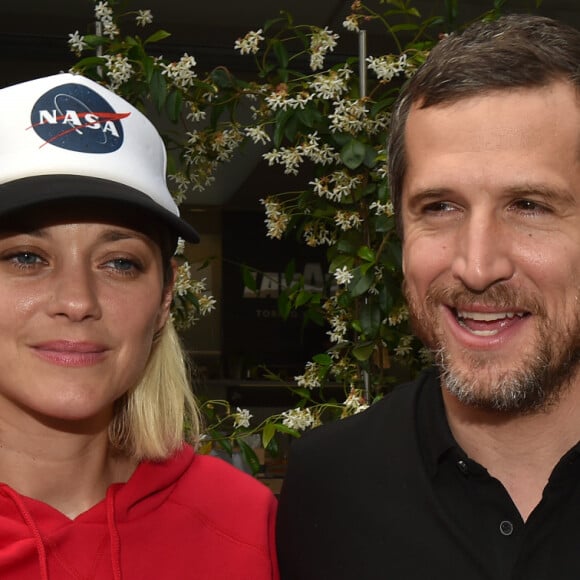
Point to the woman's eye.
(124, 265)
(25, 259)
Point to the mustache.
(498, 297)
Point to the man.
(472, 471)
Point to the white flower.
(278, 99)
(182, 280)
(249, 44)
(311, 377)
(180, 249)
(343, 275)
(382, 208)
(332, 84)
(339, 328)
(355, 401)
(317, 234)
(206, 304)
(299, 419)
(347, 220)
(103, 10)
(77, 42)
(398, 315)
(321, 42)
(351, 23)
(110, 29)
(181, 72)
(144, 17)
(257, 135)
(388, 66)
(120, 69)
(289, 157)
(242, 418)
(349, 116)
(226, 142)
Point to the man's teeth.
(488, 316)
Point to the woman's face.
(80, 302)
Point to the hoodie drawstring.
(115, 542)
(40, 548)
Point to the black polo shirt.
(389, 494)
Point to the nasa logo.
(76, 118)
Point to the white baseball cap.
(67, 137)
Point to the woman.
(97, 481)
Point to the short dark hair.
(514, 51)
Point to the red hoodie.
(192, 516)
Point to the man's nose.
(482, 253)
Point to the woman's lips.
(70, 353)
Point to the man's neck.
(521, 451)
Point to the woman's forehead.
(84, 212)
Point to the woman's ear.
(167, 296)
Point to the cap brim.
(31, 191)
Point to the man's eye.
(439, 207)
(529, 206)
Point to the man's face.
(491, 253)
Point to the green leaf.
(289, 272)
(249, 456)
(360, 283)
(216, 112)
(353, 153)
(94, 40)
(173, 106)
(385, 299)
(267, 433)
(249, 277)
(302, 298)
(366, 254)
(404, 27)
(157, 36)
(384, 223)
(292, 126)
(363, 351)
(370, 158)
(280, 52)
(148, 65)
(90, 62)
(222, 78)
(288, 430)
(282, 118)
(323, 359)
(310, 117)
(284, 305)
(158, 88)
(340, 261)
(370, 320)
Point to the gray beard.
(524, 392)
(534, 385)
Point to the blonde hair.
(153, 420)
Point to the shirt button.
(462, 466)
(506, 528)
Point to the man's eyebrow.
(431, 193)
(549, 193)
